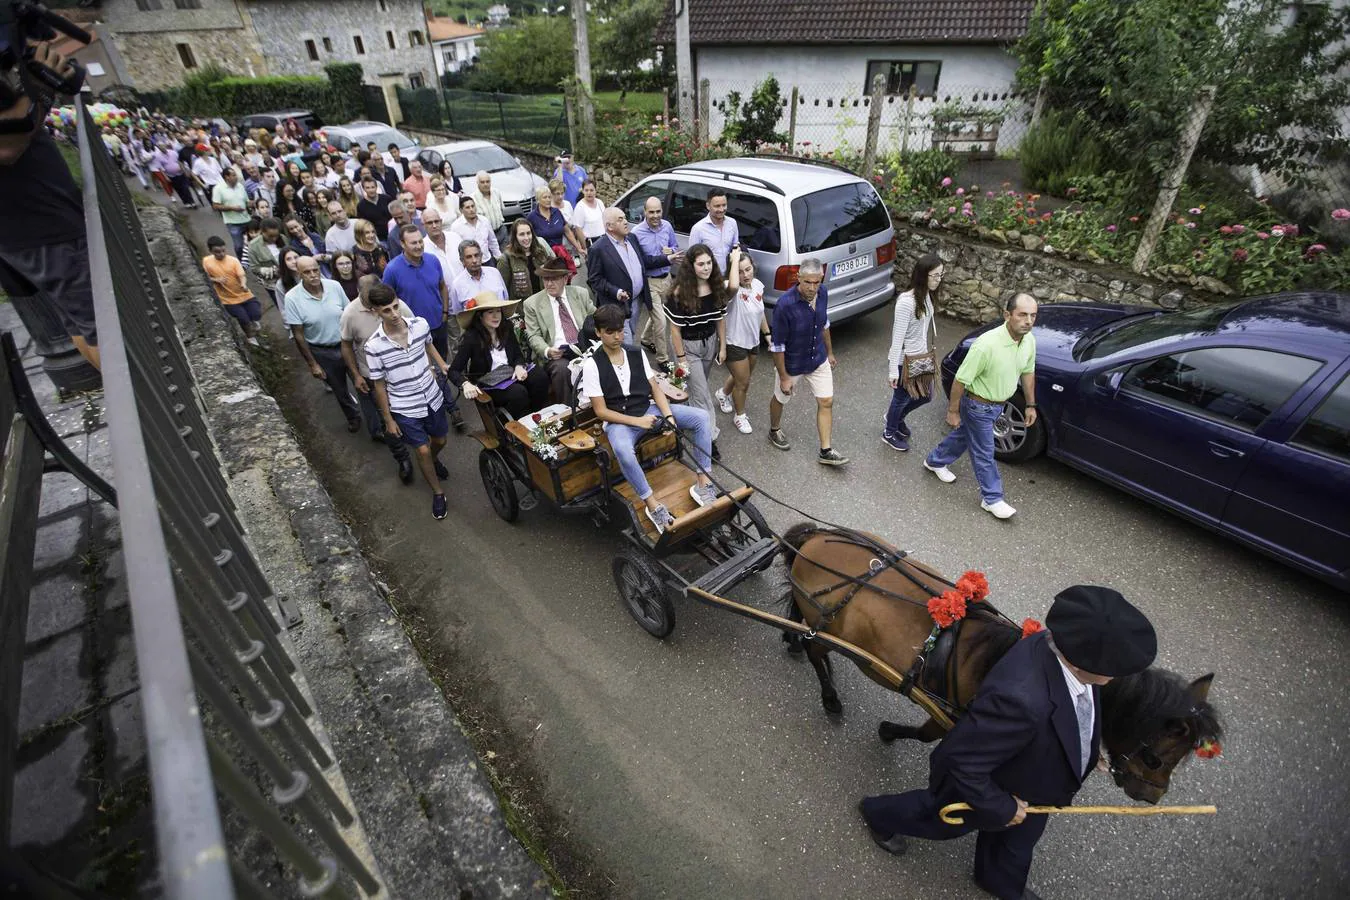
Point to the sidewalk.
(81, 807)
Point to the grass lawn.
(651, 103)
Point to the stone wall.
(283, 26)
(153, 63)
(979, 272)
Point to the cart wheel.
(751, 519)
(499, 483)
(643, 590)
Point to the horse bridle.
(1144, 750)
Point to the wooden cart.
(710, 548)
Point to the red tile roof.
(850, 21)
(443, 28)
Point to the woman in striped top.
(911, 363)
(698, 325)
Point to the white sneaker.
(999, 509)
(723, 401)
(944, 474)
(742, 423)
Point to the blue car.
(1236, 416)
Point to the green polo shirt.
(996, 362)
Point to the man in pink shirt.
(418, 183)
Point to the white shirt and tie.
(560, 338)
(1081, 694)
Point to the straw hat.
(483, 301)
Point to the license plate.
(856, 264)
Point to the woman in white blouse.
(589, 215)
(443, 200)
(911, 364)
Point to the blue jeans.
(236, 235)
(902, 404)
(687, 419)
(976, 434)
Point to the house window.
(185, 54)
(449, 57)
(901, 74)
(187, 4)
(327, 45)
(389, 36)
(148, 5)
(312, 49)
(359, 44)
(417, 81)
(414, 39)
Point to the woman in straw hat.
(489, 366)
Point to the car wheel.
(1013, 440)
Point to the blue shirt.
(799, 331)
(654, 242)
(418, 286)
(628, 255)
(321, 317)
(550, 229)
(719, 240)
(572, 182)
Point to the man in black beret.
(1030, 737)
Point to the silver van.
(787, 210)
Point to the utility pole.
(585, 106)
(684, 64)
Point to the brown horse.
(858, 588)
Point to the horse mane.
(1136, 708)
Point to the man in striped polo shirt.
(400, 355)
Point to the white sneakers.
(742, 423)
(944, 474)
(723, 401)
(999, 509)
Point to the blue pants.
(902, 404)
(687, 419)
(236, 235)
(976, 434)
(1002, 857)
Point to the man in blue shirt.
(800, 343)
(572, 175)
(657, 238)
(418, 281)
(717, 229)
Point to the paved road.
(703, 766)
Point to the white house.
(454, 45)
(498, 14)
(955, 54)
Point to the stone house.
(162, 41)
(832, 49)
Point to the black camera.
(21, 22)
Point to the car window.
(633, 203)
(757, 219)
(837, 215)
(386, 136)
(1238, 385)
(493, 159)
(1137, 332)
(688, 204)
(340, 141)
(1327, 430)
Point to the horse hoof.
(795, 647)
(889, 731)
(832, 705)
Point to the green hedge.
(336, 98)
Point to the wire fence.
(537, 120)
(979, 122)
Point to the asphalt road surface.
(704, 766)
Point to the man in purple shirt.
(657, 238)
(717, 229)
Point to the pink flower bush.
(951, 209)
(1225, 229)
(946, 182)
(1314, 250)
(1239, 255)
(1195, 210)
(1262, 235)
(1277, 231)
(1111, 229)
(960, 192)
(1190, 225)
(1239, 229)
(1340, 215)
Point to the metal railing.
(200, 603)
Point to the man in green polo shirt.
(998, 360)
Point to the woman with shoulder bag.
(489, 366)
(912, 361)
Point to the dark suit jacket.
(473, 359)
(607, 275)
(1019, 736)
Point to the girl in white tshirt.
(746, 324)
(911, 364)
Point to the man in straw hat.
(1030, 737)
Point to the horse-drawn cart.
(565, 457)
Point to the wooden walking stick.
(949, 812)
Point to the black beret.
(1099, 631)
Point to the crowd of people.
(505, 304)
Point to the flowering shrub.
(1261, 255)
(638, 143)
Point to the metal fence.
(206, 640)
(538, 120)
(975, 121)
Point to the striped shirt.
(405, 371)
(700, 324)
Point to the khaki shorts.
(821, 383)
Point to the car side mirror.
(1109, 379)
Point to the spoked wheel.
(499, 483)
(749, 518)
(643, 590)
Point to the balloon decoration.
(103, 113)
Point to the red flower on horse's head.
(1030, 627)
(974, 585)
(1208, 749)
(947, 608)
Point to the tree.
(754, 122)
(623, 35)
(1131, 72)
(532, 56)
